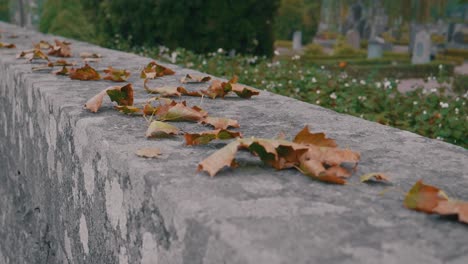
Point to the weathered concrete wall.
(72, 190)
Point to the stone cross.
(422, 48)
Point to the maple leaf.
(116, 75)
(32, 55)
(95, 102)
(375, 176)
(208, 136)
(220, 159)
(86, 73)
(129, 110)
(122, 96)
(63, 71)
(42, 45)
(453, 207)
(424, 198)
(158, 129)
(148, 152)
(60, 49)
(189, 78)
(317, 139)
(7, 45)
(179, 112)
(242, 91)
(220, 123)
(217, 89)
(154, 70)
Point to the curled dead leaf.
(116, 75)
(317, 139)
(95, 102)
(122, 96)
(60, 49)
(220, 123)
(4, 45)
(85, 73)
(189, 78)
(375, 176)
(33, 54)
(43, 45)
(158, 129)
(424, 198)
(208, 136)
(154, 70)
(179, 112)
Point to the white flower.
(441, 66)
(439, 138)
(378, 84)
(297, 90)
(280, 84)
(314, 80)
(354, 80)
(361, 116)
(290, 82)
(362, 82)
(277, 52)
(322, 67)
(174, 57)
(318, 91)
(204, 62)
(415, 103)
(387, 84)
(424, 112)
(333, 96)
(220, 50)
(433, 90)
(346, 84)
(457, 111)
(317, 102)
(443, 105)
(409, 115)
(457, 99)
(263, 81)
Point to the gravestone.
(297, 40)
(353, 39)
(375, 48)
(422, 48)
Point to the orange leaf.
(60, 49)
(217, 89)
(42, 45)
(207, 136)
(179, 112)
(86, 73)
(220, 159)
(189, 78)
(243, 91)
(154, 70)
(122, 96)
(95, 102)
(116, 75)
(7, 45)
(220, 123)
(317, 139)
(423, 197)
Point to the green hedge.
(460, 84)
(402, 71)
(457, 53)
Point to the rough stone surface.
(73, 191)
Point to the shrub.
(457, 53)
(283, 44)
(460, 84)
(314, 49)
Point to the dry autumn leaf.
(243, 91)
(216, 89)
(208, 136)
(122, 96)
(116, 75)
(220, 123)
(60, 49)
(179, 112)
(221, 89)
(189, 78)
(317, 139)
(64, 71)
(7, 45)
(129, 110)
(154, 70)
(375, 176)
(158, 129)
(450, 207)
(95, 102)
(42, 45)
(148, 152)
(321, 163)
(33, 54)
(424, 198)
(86, 73)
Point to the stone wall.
(73, 191)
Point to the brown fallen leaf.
(208, 136)
(116, 75)
(42, 45)
(86, 73)
(221, 89)
(158, 129)
(317, 139)
(129, 110)
(4, 45)
(148, 152)
(95, 102)
(122, 96)
(154, 70)
(189, 78)
(179, 112)
(424, 197)
(220, 123)
(64, 71)
(216, 89)
(453, 207)
(60, 49)
(243, 91)
(224, 157)
(375, 176)
(33, 54)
